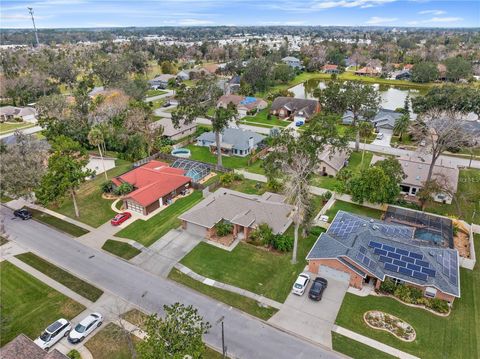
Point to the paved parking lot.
(310, 319)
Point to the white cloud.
(432, 12)
(436, 20)
(316, 5)
(193, 22)
(381, 20)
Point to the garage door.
(325, 271)
(134, 207)
(195, 229)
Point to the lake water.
(391, 97)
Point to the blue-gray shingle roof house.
(372, 249)
(384, 119)
(234, 141)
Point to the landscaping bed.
(147, 232)
(57, 223)
(389, 323)
(120, 249)
(28, 305)
(79, 286)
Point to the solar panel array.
(449, 263)
(342, 228)
(402, 261)
(364, 259)
(395, 231)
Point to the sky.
(108, 13)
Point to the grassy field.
(152, 92)
(238, 301)
(108, 344)
(3, 240)
(121, 249)
(456, 336)
(267, 273)
(353, 208)
(79, 286)
(11, 127)
(94, 210)
(468, 198)
(248, 186)
(147, 232)
(355, 349)
(262, 117)
(58, 223)
(28, 305)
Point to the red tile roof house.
(368, 71)
(330, 69)
(155, 184)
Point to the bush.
(438, 305)
(387, 286)
(123, 189)
(403, 293)
(223, 228)
(326, 196)
(74, 354)
(263, 234)
(316, 231)
(274, 185)
(227, 178)
(166, 149)
(107, 187)
(282, 243)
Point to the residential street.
(245, 336)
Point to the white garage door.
(134, 207)
(195, 229)
(328, 272)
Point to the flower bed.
(383, 321)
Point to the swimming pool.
(429, 235)
(181, 152)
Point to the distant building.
(368, 71)
(330, 69)
(160, 82)
(233, 141)
(12, 113)
(295, 109)
(292, 62)
(242, 103)
(383, 119)
(173, 133)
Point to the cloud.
(193, 22)
(381, 20)
(432, 12)
(316, 5)
(436, 20)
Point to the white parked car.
(301, 284)
(380, 136)
(85, 327)
(53, 334)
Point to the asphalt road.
(246, 337)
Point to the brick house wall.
(356, 280)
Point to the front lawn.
(468, 197)
(94, 210)
(456, 336)
(262, 117)
(238, 301)
(57, 223)
(353, 208)
(152, 92)
(267, 273)
(109, 343)
(76, 284)
(355, 349)
(147, 232)
(11, 127)
(121, 249)
(28, 305)
(248, 186)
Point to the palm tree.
(95, 138)
(365, 128)
(401, 125)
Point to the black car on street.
(22, 213)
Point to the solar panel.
(388, 248)
(414, 267)
(380, 252)
(375, 244)
(385, 259)
(429, 272)
(399, 263)
(405, 271)
(391, 267)
(366, 261)
(419, 275)
(401, 251)
(408, 259)
(363, 250)
(394, 255)
(360, 256)
(453, 280)
(422, 263)
(445, 271)
(416, 255)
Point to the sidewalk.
(259, 298)
(373, 343)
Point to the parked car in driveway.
(85, 327)
(22, 213)
(53, 334)
(380, 136)
(301, 284)
(120, 218)
(318, 287)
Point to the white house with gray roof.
(234, 141)
(292, 62)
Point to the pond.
(392, 97)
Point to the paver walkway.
(373, 343)
(228, 287)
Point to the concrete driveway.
(387, 138)
(161, 256)
(310, 319)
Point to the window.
(414, 190)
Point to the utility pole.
(30, 10)
(224, 348)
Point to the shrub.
(74, 354)
(237, 176)
(316, 231)
(223, 228)
(227, 178)
(415, 294)
(123, 189)
(274, 185)
(387, 286)
(282, 243)
(403, 293)
(166, 149)
(107, 187)
(263, 234)
(327, 195)
(438, 305)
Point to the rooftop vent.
(375, 227)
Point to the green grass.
(28, 305)
(147, 232)
(262, 117)
(57, 223)
(108, 343)
(468, 197)
(151, 93)
(121, 249)
(94, 210)
(456, 336)
(136, 317)
(11, 127)
(79, 286)
(4, 198)
(248, 186)
(3, 240)
(259, 271)
(157, 103)
(355, 349)
(238, 301)
(353, 208)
